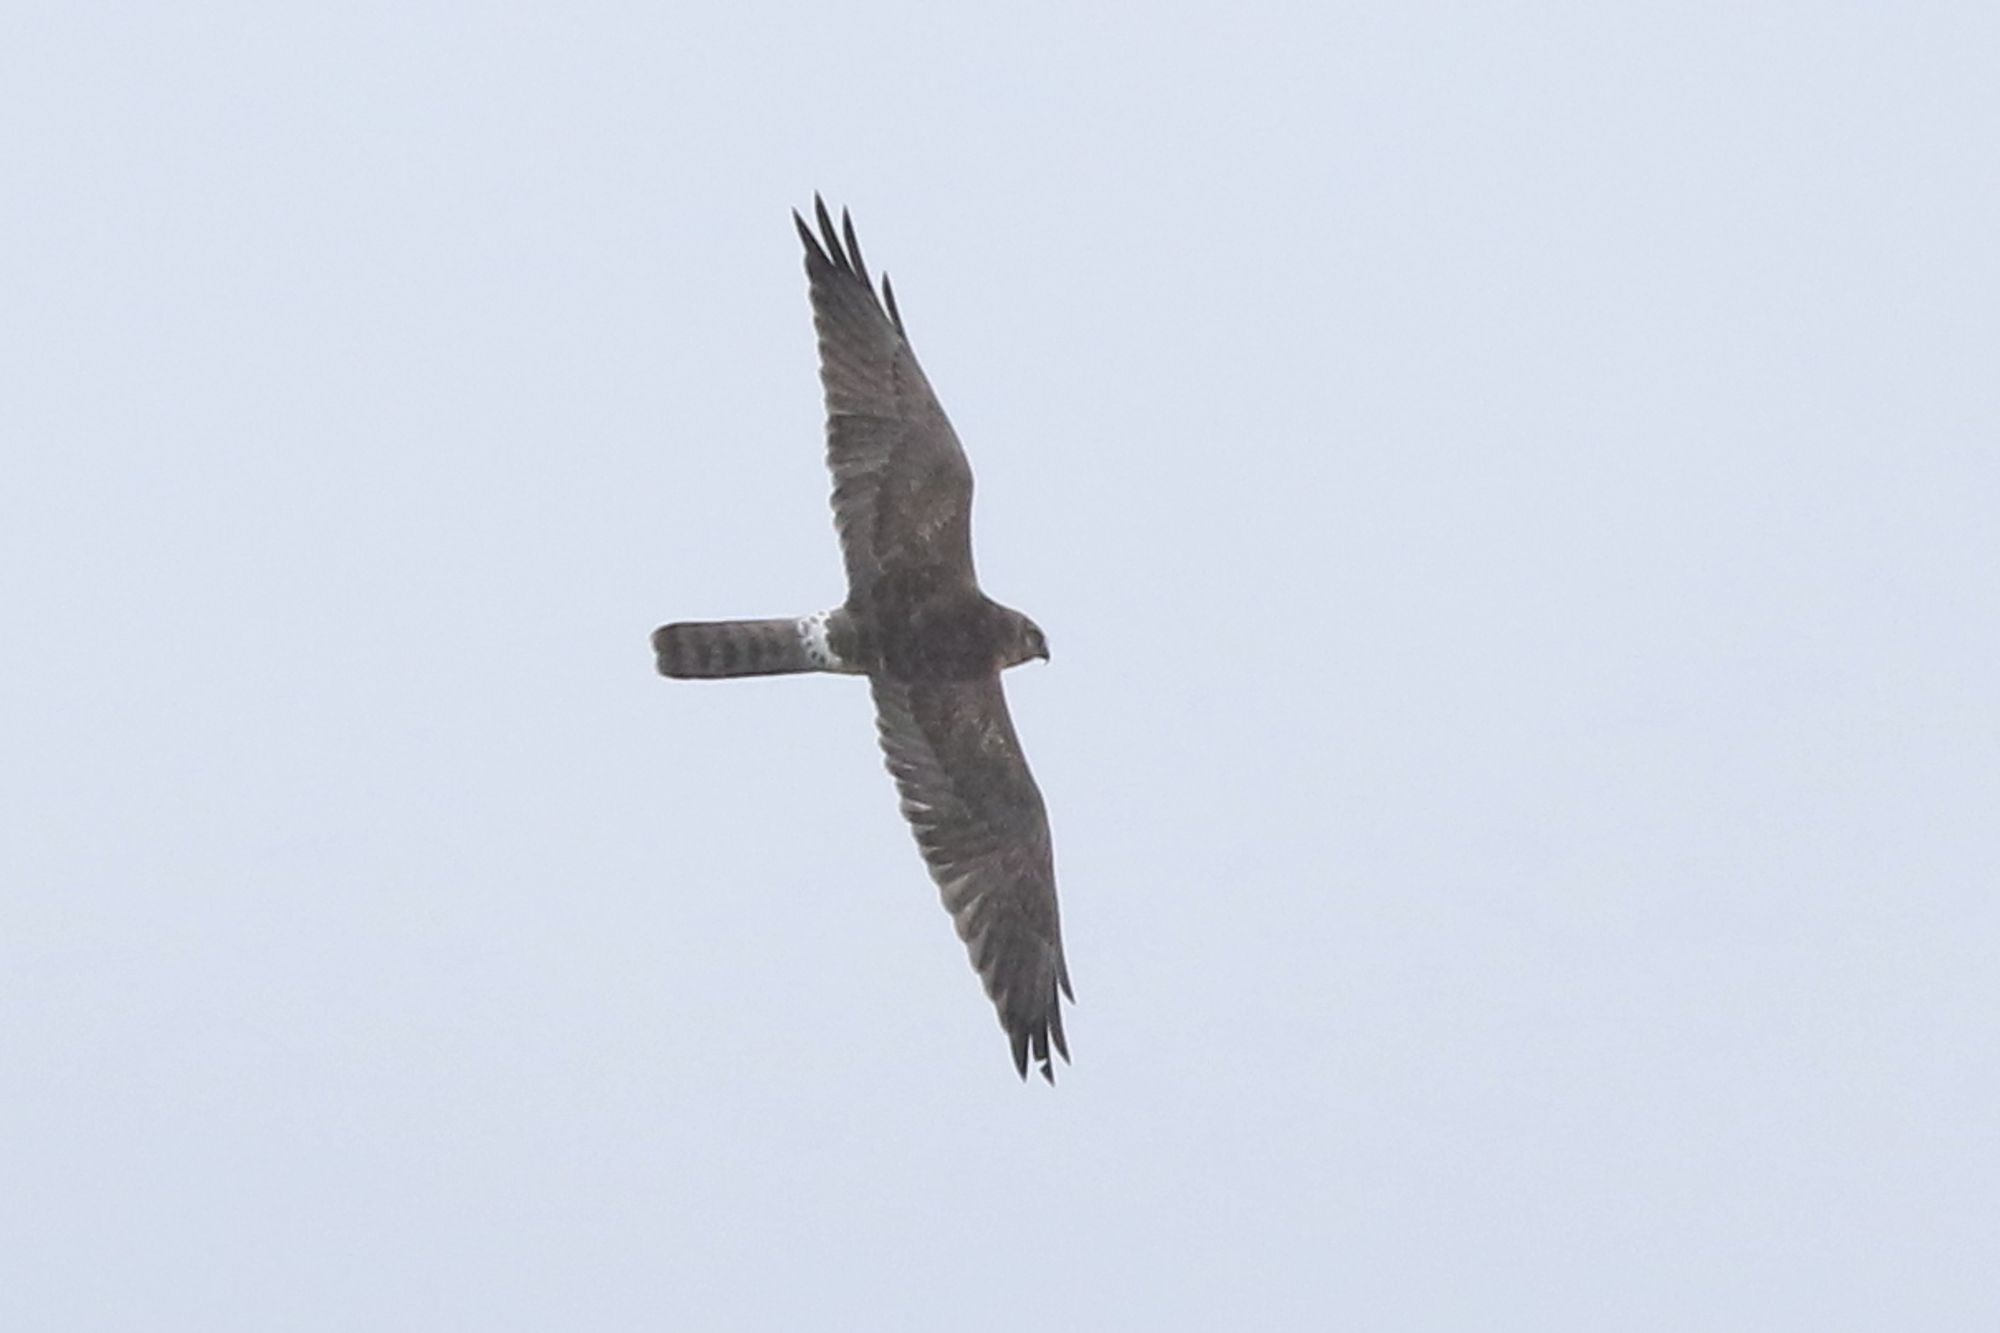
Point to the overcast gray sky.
(1511, 491)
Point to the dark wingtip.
(828, 235)
(1039, 1038)
(805, 234)
(853, 245)
(889, 296)
(839, 248)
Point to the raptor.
(931, 644)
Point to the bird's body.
(930, 642)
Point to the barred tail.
(708, 649)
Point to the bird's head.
(1024, 641)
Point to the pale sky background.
(1512, 494)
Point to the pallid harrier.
(930, 642)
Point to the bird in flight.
(931, 644)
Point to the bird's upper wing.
(980, 824)
(902, 491)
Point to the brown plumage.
(930, 642)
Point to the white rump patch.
(812, 633)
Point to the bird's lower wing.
(983, 831)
